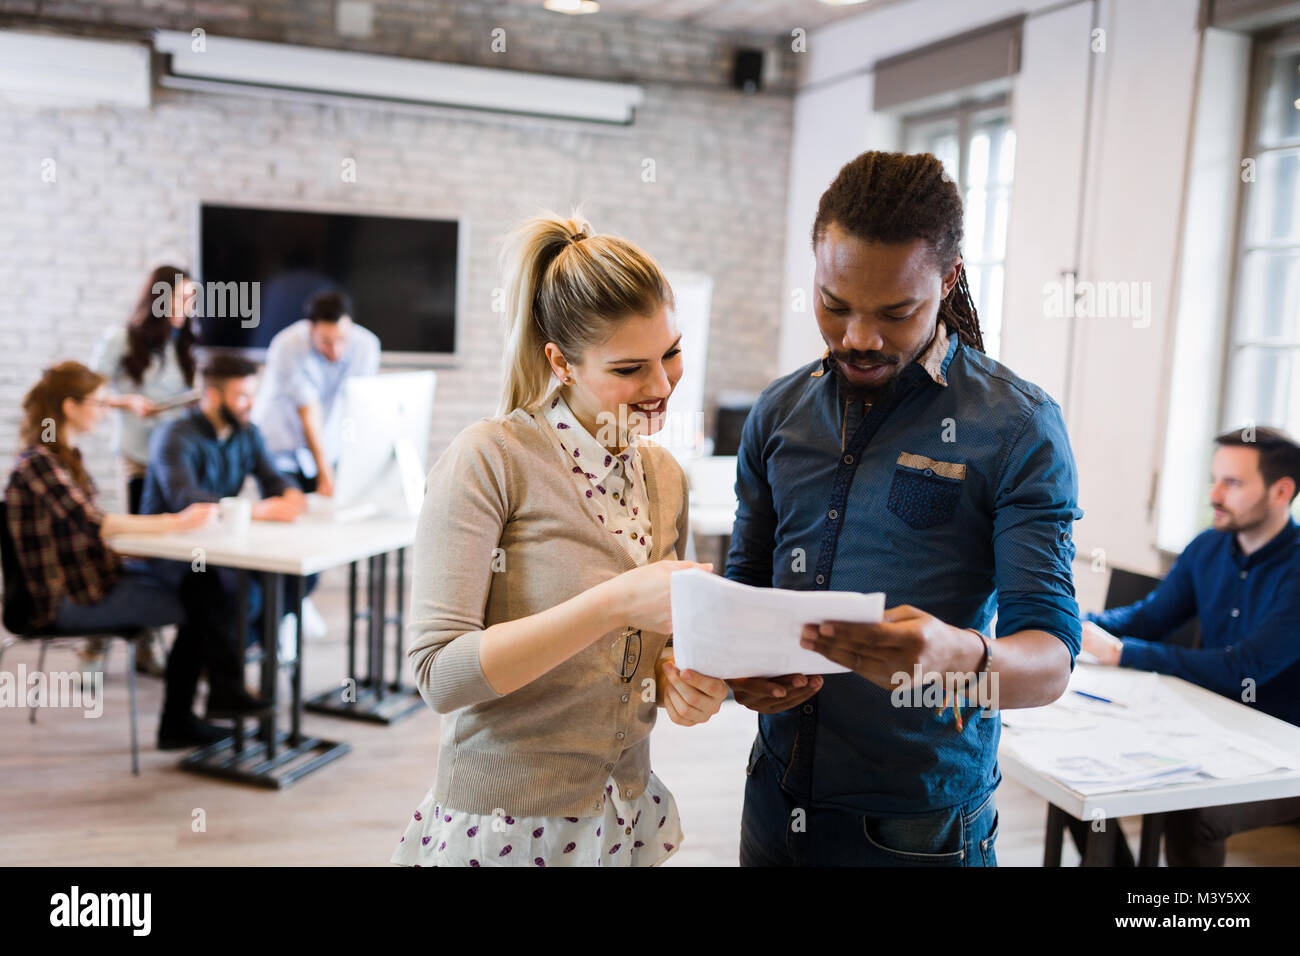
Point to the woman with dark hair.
(147, 361)
(73, 578)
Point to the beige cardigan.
(499, 497)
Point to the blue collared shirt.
(1249, 611)
(956, 495)
(189, 463)
(297, 375)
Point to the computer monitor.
(386, 422)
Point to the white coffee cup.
(236, 514)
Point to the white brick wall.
(73, 253)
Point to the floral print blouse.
(612, 482)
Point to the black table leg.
(1099, 849)
(241, 638)
(278, 758)
(295, 707)
(376, 699)
(1055, 833)
(1153, 829)
(379, 612)
(370, 622)
(398, 658)
(270, 654)
(352, 623)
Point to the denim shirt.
(188, 463)
(956, 494)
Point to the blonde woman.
(539, 608)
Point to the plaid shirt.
(55, 526)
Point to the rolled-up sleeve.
(466, 504)
(1035, 509)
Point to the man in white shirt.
(299, 408)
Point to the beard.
(230, 418)
(1238, 521)
(874, 394)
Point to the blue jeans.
(136, 601)
(773, 831)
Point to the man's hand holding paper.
(732, 630)
(906, 639)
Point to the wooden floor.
(68, 796)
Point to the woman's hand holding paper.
(690, 697)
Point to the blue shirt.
(1249, 611)
(957, 495)
(189, 463)
(297, 375)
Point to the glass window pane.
(1007, 157)
(991, 309)
(985, 182)
(999, 221)
(1263, 386)
(975, 279)
(979, 157)
(1281, 108)
(1274, 199)
(938, 137)
(1270, 297)
(977, 201)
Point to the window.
(1263, 355)
(977, 146)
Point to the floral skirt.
(641, 832)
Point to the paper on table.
(727, 629)
(1155, 739)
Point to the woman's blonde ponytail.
(565, 284)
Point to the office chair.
(1129, 587)
(17, 620)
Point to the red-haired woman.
(74, 579)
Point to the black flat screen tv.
(400, 273)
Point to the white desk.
(309, 545)
(713, 502)
(713, 520)
(1156, 800)
(312, 544)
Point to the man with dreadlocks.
(924, 469)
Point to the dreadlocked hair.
(897, 198)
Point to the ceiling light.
(571, 6)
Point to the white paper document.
(727, 629)
(1149, 736)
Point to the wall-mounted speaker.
(748, 73)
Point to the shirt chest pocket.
(924, 492)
